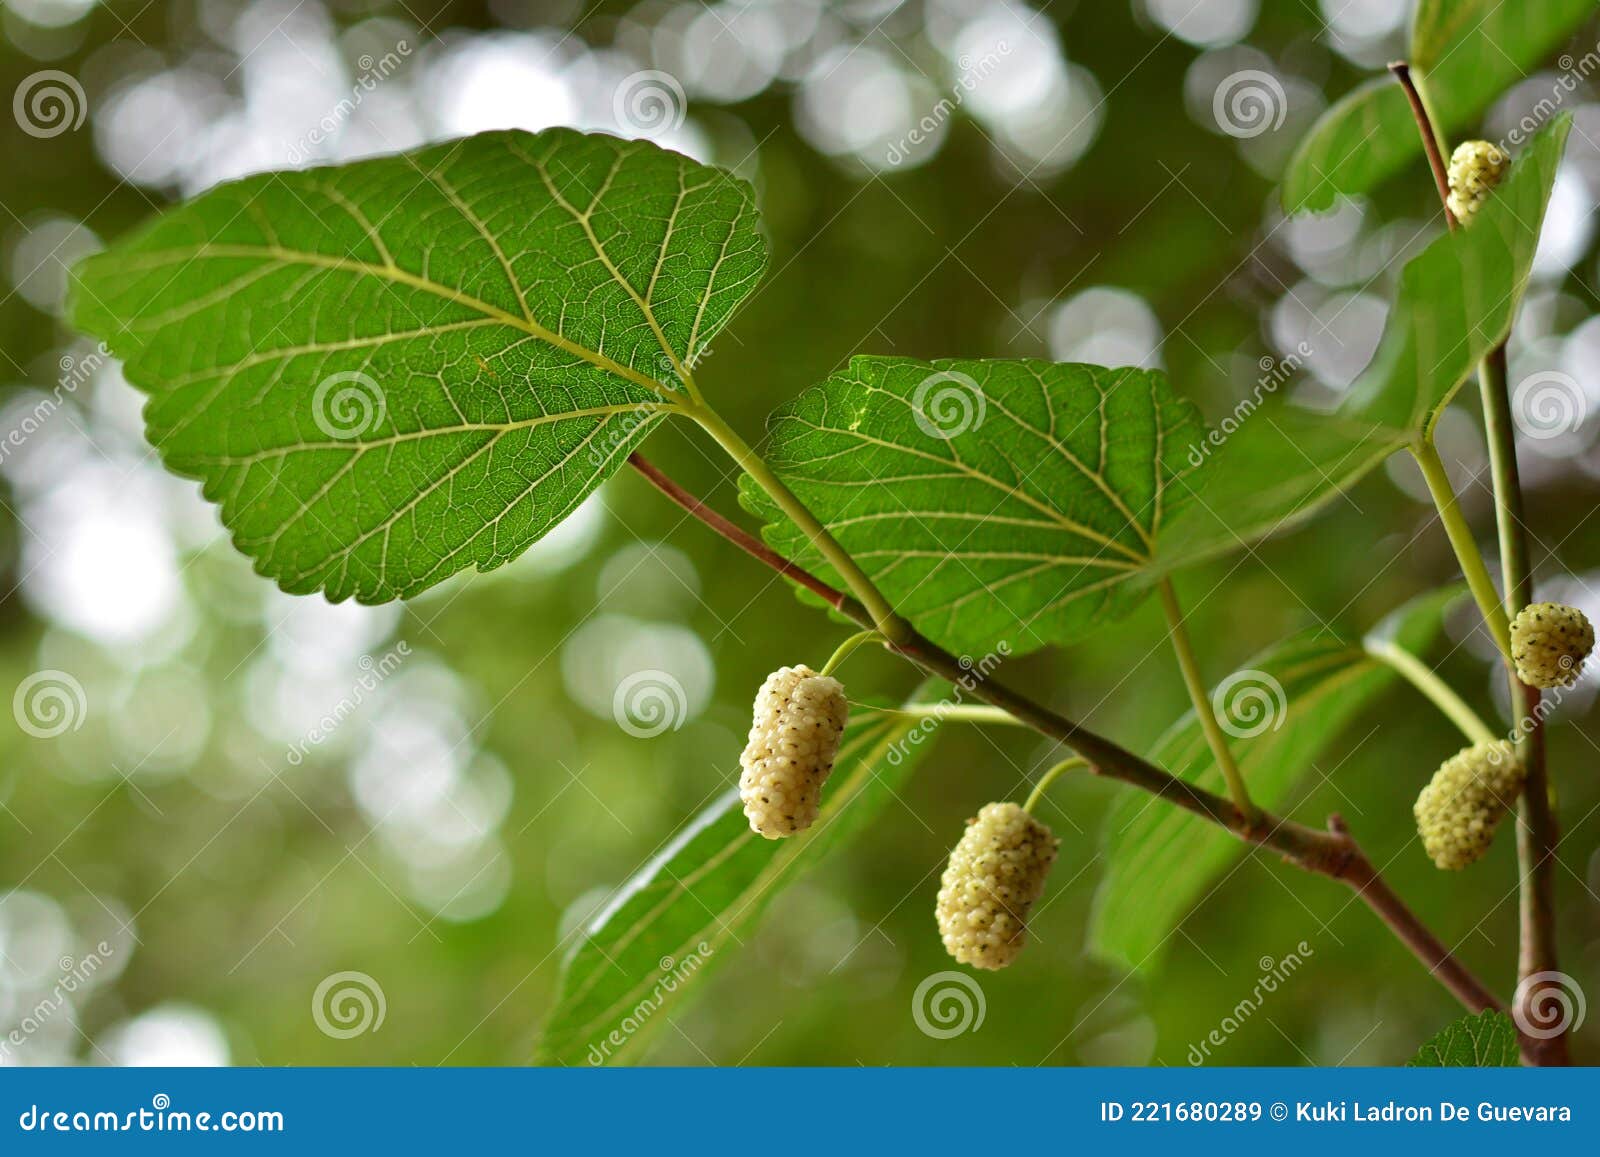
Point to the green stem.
(842, 652)
(1425, 679)
(1538, 832)
(1468, 556)
(952, 713)
(1203, 708)
(1050, 777)
(891, 625)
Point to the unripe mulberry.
(794, 737)
(995, 874)
(1549, 643)
(1475, 169)
(1458, 811)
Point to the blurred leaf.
(1283, 710)
(1456, 302)
(680, 915)
(1415, 624)
(1463, 61)
(1487, 1040)
(989, 500)
(392, 370)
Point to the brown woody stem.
(1332, 853)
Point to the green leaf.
(990, 500)
(1464, 55)
(1456, 302)
(389, 371)
(651, 949)
(1487, 1040)
(1281, 711)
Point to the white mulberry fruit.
(1549, 643)
(995, 874)
(1458, 811)
(1475, 169)
(794, 737)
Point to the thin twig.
(1333, 853)
(1430, 142)
(1538, 832)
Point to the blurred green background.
(217, 851)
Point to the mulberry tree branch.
(1538, 832)
(1332, 853)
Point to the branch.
(1537, 830)
(1333, 853)
(1430, 139)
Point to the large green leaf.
(990, 500)
(1281, 710)
(1485, 1041)
(393, 370)
(1456, 302)
(1465, 55)
(652, 948)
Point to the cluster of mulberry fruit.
(799, 717)
(995, 874)
(1475, 169)
(1459, 809)
(1549, 643)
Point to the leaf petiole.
(1203, 708)
(844, 650)
(1462, 541)
(1050, 777)
(888, 623)
(1423, 677)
